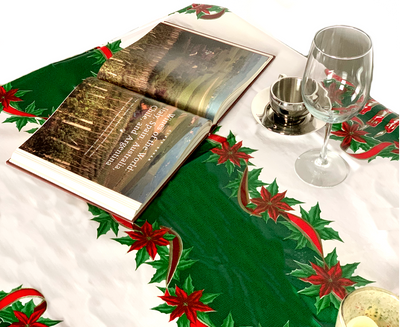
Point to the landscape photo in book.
(184, 69)
(120, 136)
(116, 138)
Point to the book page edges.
(71, 182)
(92, 192)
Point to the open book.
(118, 137)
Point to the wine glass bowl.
(335, 87)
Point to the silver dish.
(264, 115)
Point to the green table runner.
(228, 246)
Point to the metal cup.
(286, 100)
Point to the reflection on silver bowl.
(270, 120)
(267, 117)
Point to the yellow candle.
(361, 321)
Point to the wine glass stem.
(322, 160)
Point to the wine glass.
(335, 87)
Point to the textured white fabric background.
(47, 240)
(35, 33)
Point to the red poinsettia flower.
(350, 132)
(397, 147)
(186, 304)
(330, 279)
(231, 153)
(201, 8)
(272, 204)
(7, 96)
(24, 321)
(149, 238)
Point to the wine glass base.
(311, 171)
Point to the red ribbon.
(371, 152)
(304, 227)
(213, 16)
(307, 230)
(217, 138)
(175, 245)
(16, 112)
(21, 293)
(105, 51)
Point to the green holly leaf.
(336, 127)
(212, 158)
(265, 216)
(169, 237)
(334, 300)
(207, 298)
(27, 308)
(162, 265)
(313, 217)
(231, 139)
(205, 319)
(164, 308)
(17, 306)
(370, 143)
(273, 188)
(287, 324)
(326, 301)
(114, 46)
(291, 201)
(48, 322)
(348, 270)
(21, 93)
(218, 8)
(95, 211)
(331, 258)
(141, 257)
(246, 150)
(322, 303)
(126, 240)
(4, 294)
(304, 271)
(230, 167)
(253, 182)
(7, 87)
(20, 121)
(31, 109)
(182, 10)
(98, 56)
(228, 321)
(360, 281)
(7, 315)
(183, 321)
(188, 285)
(32, 130)
(387, 153)
(106, 222)
(312, 290)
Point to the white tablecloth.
(47, 240)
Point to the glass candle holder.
(369, 307)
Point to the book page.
(189, 71)
(116, 138)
